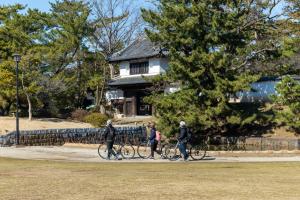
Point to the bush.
(79, 115)
(96, 119)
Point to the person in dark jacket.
(109, 135)
(152, 139)
(183, 139)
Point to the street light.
(17, 58)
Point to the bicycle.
(196, 152)
(144, 150)
(126, 151)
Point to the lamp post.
(17, 58)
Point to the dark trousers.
(153, 147)
(110, 151)
(182, 149)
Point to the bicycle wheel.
(127, 151)
(102, 151)
(198, 152)
(162, 150)
(172, 152)
(144, 150)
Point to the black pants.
(110, 151)
(153, 148)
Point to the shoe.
(186, 159)
(151, 158)
(118, 158)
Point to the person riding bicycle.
(109, 135)
(183, 139)
(152, 139)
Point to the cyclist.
(109, 135)
(183, 139)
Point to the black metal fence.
(252, 144)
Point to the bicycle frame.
(190, 152)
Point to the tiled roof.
(276, 78)
(141, 48)
(295, 77)
(129, 81)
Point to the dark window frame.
(139, 68)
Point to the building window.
(139, 68)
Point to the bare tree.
(117, 23)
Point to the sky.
(44, 5)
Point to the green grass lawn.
(25, 179)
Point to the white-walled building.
(138, 62)
(261, 90)
(142, 60)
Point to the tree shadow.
(51, 120)
(295, 131)
(257, 120)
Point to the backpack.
(158, 136)
(189, 135)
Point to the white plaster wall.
(124, 68)
(114, 94)
(263, 92)
(156, 66)
(164, 64)
(171, 89)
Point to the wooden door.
(129, 111)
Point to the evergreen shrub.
(96, 119)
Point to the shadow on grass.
(51, 120)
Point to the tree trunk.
(112, 71)
(79, 102)
(29, 107)
(102, 108)
(1, 111)
(7, 109)
(97, 97)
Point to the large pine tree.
(20, 32)
(212, 46)
(287, 105)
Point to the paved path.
(76, 154)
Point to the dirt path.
(78, 154)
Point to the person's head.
(181, 123)
(109, 122)
(149, 125)
(152, 125)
